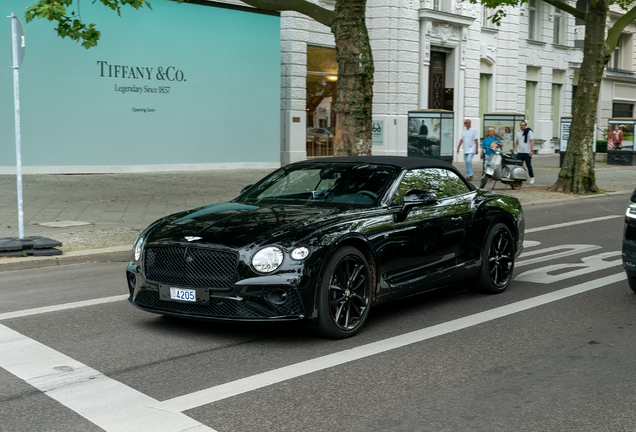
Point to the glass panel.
(531, 88)
(430, 179)
(532, 20)
(458, 186)
(484, 92)
(447, 137)
(322, 77)
(424, 137)
(324, 184)
(557, 28)
(556, 109)
(622, 110)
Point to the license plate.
(183, 294)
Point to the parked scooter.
(504, 168)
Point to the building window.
(531, 90)
(533, 20)
(484, 92)
(615, 61)
(436, 5)
(621, 60)
(322, 77)
(622, 110)
(581, 5)
(559, 27)
(486, 17)
(556, 109)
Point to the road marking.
(530, 243)
(546, 255)
(103, 401)
(255, 382)
(588, 264)
(578, 222)
(61, 307)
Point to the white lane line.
(234, 388)
(578, 222)
(105, 402)
(61, 307)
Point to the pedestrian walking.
(471, 147)
(525, 142)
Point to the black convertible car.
(323, 240)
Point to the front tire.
(484, 180)
(497, 261)
(345, 294)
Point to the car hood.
(236, 225)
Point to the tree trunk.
(354, 92)
(577, 173)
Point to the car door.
(463, 198)
(426, 240)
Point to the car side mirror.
(417, 197)
(414, 198)
(245, 189)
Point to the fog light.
(278, 297)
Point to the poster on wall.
(504, 130)
(424, 137)
(620, 135)
(506, 126)
(206, 93)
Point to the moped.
(505, 168)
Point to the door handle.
(456, 219)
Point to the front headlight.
(631, 210)
(267, 260)
(138, 248)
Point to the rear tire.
(516, 185)
(497, 261)
(345, 294)
(632, 282)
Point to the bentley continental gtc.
(324, 240)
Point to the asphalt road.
(552, 353)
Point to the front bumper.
(258, 299)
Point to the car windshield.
(359, 185)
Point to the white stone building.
(447, 54)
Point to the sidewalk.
(118, 206)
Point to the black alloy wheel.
(345, 294)
(498, 261)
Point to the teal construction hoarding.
(181, 86)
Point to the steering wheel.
(370, 194)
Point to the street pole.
(18, 42)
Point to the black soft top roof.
(399, 161)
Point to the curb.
(575, 197)
(110, 254)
